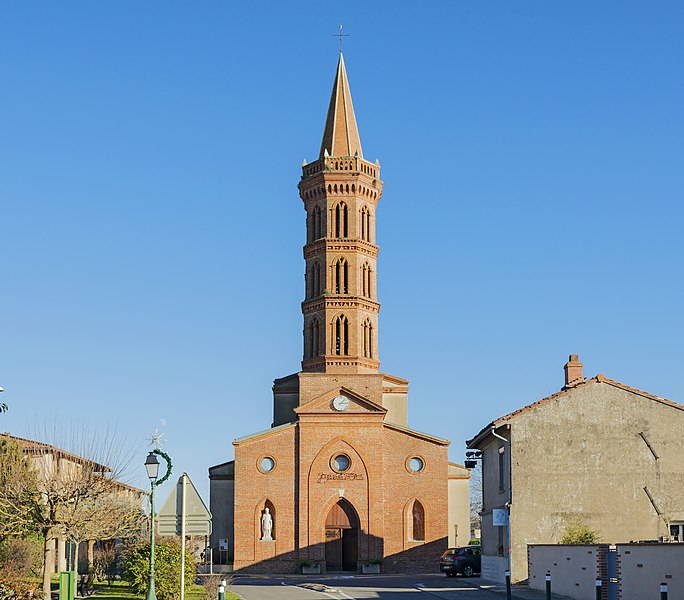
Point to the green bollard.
(67, 586)
(508, 585)
(222, 590)
(548, 586)
(663, 591)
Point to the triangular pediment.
(332, 402)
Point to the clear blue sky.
(151, 239)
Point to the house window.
(677, 532)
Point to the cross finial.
(340, 35)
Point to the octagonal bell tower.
(340, 192)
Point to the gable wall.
(580, 456)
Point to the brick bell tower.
(340, 192)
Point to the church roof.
(600, 378)
(341, 135)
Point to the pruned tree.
(68, 493)
(115, 514)
(18, 490)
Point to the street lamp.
(152, 466)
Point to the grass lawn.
(120, 590)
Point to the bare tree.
(115, 514)
(475, 497)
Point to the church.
(339, 481)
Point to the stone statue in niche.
(266, 525)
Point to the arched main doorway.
(342, 537)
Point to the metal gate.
(611, 564)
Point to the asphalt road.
(355, 587)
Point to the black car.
(464, 561)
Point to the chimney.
(573, 372)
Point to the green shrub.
(577, 532)
(21, 558)
(167, 562)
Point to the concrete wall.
(459, 505)
(221, 506)
(494, 539)
(580, 456)
(643, 567)
(573, 569)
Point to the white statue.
(266, 525)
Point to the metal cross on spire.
(340, 35)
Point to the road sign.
(499, 517)
(197, 517)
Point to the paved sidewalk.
(519, 592)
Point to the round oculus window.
(416, 464)
(341, 462)
(266, 464)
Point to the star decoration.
(156, 439)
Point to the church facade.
(339, 481)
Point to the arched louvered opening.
(315, 337)
(316, 279)
(341, 276)
(365, 224)
(341, 336)
(366, 280)
(367, 332)
(341, 216)
(317, 223)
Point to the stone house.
(50, 462)
(598, 452)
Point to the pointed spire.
(341, 136)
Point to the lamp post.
(152, 466)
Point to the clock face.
(340, 403)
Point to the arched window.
(315, 337)
(368, 338)
(317, 223)
(316, 283)
(341, 336)
(365, 224)
(366, 280)
(341, 276)
(341, 220)
(418, 522)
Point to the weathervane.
(340, 35)
(156, 439)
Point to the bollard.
(599, 587)
(508, 585)
(548, 586)
(222, 590)
(663, 591)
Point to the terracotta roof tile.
(600, 378)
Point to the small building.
(50, 462)
(598, 452)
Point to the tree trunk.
(47, 570)
(91, 556)
(75, 565)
